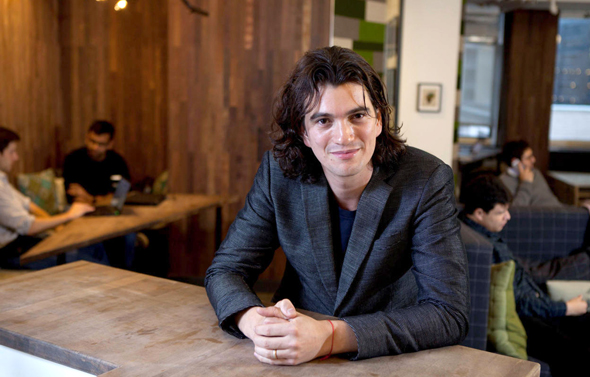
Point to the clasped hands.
(282, 336)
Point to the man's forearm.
(38, 211)
(42, 224)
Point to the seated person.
(20, 218)
(526, 184)
(557, 331)
(89, 174)
(368, 225)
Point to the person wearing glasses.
(89, 171)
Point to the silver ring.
(275, 353)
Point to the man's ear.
(379, 122)
(478, 214)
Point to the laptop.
(116, 206)
(140, 198)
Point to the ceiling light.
(121, 4)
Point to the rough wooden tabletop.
(86, 231)
(117, 323)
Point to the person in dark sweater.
(89, 172)
(558, 332)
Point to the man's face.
(8, 157)
(342, 132)
(495, 220)
(528, 159)
(98, 145)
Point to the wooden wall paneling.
(224, 71)
(527, 85)
(30, 94)
(114, 67)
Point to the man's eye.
(323, 121)
(358, 116)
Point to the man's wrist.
(243, 319)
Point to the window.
(570, 112)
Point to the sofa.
(537, 234)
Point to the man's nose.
(508, 216)
(344, 132)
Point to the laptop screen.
(120, 194)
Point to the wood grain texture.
(187, 93)
(30, 93)
(96, 317)
(224, 71)
(114, 67)
(527, 83)
(89, 230)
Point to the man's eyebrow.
(349, 112)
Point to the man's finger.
(269, 342)
(275, 329)
(271, 311)
(287, 308)
(273, 320)
(266, 360)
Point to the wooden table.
(89, 230)
(117, 323)
(570, 187)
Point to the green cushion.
(505, 331)
(40, 187)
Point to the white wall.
(429, 54)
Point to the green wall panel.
(372, 32)
(350, 8)
(360, 45)
(366, 54)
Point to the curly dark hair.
(301, 92)
(484, 192)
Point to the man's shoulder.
(77, 153)
(416, 163)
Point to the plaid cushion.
(40, 187)
(545, 233)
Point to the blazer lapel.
(368, 216)
(315, 199)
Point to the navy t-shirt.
(342, 222)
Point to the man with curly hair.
(368, 225)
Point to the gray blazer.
(403, 284)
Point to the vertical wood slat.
(185, 92)
(220, 111)
(30, 100)
(527, 83)
(114, 67)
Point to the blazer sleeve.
(440, 314)
(245, 253)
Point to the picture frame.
(429, 98)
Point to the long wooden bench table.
(116, 323)
(88, 230)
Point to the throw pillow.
(505, 331)
(40, 187)
(160, 185)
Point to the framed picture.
(429, 98)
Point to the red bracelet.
(332, 346)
